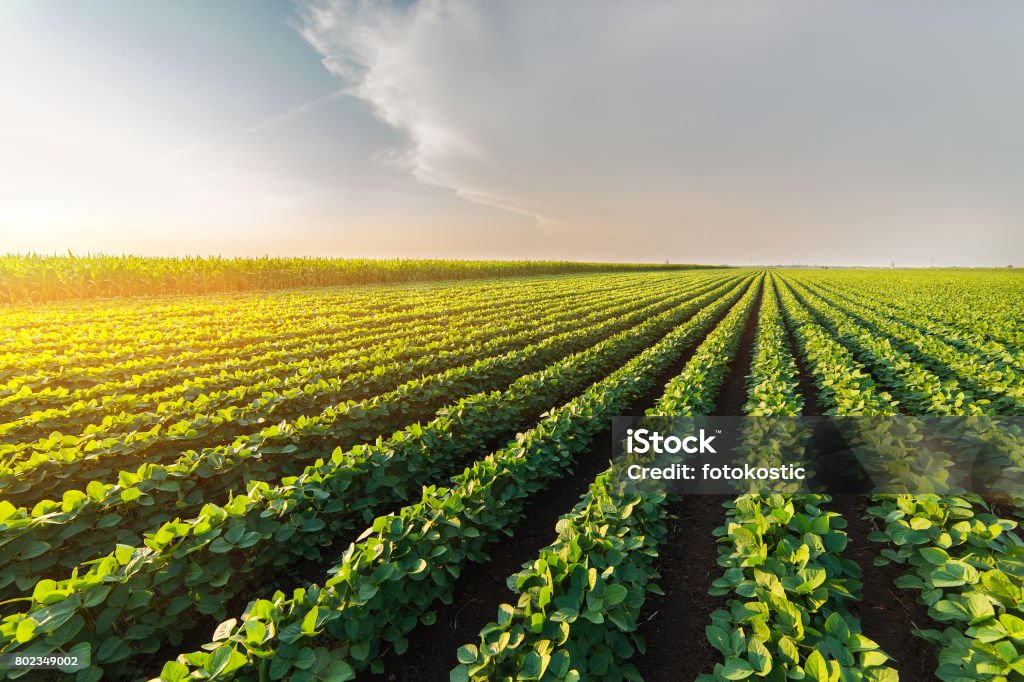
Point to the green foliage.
(201, 448)
(94, 521)
(188, 567)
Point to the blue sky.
(765, 132)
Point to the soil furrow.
(673, 625)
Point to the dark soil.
(673, 625)
(812, 406)
(888, 615)
(733, 394)
(480, 589)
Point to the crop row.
(920, 319)
(983, 303)
(996, 381)
(301, 362)
(921, 391)
(75, 593)
(180, 325)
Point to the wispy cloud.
(261, 125)
(700, 125)
(376, 48)
(297, 110)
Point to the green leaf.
(26, 630)
(934, 555)
(815, 667)
(34, 548)
(305, 658)
(737, 669)
(309, 621)
(615, 594)
(108, 649)
(468, 653)
(788, 650)
(223, 630)
(360, 651)
(174, 672)
(218, 661)
(533, 666)
(1014, 626)
(339, 671)
(718, 638)
(221, 546)
(759, 656)
(837, 627)
(953, 574)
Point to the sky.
(850, 132)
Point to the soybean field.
(410, 481)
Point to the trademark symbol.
(718, 431)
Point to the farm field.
(410, 481)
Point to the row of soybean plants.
(56, 536)
(134, 366)
(369, 600)
(222, 325)
(173, 334)
(962, 560)
(181, 572)
(242, 328)
(784, 567)
(65, 468)
(292, 338)
(396, 354)
(578, 603)
(788, 615)
(917, 388)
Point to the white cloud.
(705, 126)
